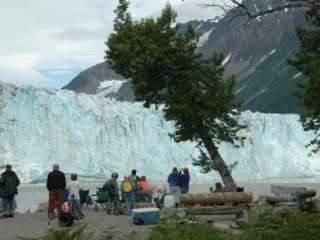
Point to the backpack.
(127, 186)
(135, 183)
(66, 219)
(110, 188)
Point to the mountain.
(102, 80)
(95, 136)
(256, 53)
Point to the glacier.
(94, 136)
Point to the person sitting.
(158, 196)
(218, 188)
(73, 188)
(127, 194)
(145, 189)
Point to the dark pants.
(55, 201)
(8, 204)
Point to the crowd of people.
(65, 196)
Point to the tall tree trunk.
(230, 185)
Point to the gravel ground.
(36, 224)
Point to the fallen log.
(276, 199)
(217, 210)
(304, 194)
(216, 198)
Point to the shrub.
(168, 230)
(297, 226)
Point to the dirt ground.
(36, 224)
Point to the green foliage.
(188, 231)
(307, 60)
(165, 69)
(273, 227)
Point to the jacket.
(56, 180)
(9, 182)
(145, 186)
(111, 186)
(173, 179)
(184, 180)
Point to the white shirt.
(73, 187)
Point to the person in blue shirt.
(174, 188)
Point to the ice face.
(93, 137)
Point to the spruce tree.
(165, 69)
(307, 61)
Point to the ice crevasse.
(94, 136)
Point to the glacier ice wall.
(95, 136)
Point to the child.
(73, 188)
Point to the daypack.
(110, 188)
(135, 183)
(66, 219)
(127, 186)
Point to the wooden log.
(281, 190)
(219, 210)
(216, 198)
(276, 199)
(304, 194)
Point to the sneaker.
(10, 215)
(5, 216)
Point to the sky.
(46, 43)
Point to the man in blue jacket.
(174, 189)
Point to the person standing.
(135, 179)
(174, 189)
(56, 185)
(73, 188)
(146, 189)
(184, 180)
(112, 188)
(127, 194)
(9, 182)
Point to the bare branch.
(236, 4)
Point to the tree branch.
(236, 4)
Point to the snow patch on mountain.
(109, 86)
(204, 38)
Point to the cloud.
(42, 37)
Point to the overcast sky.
(47, 43)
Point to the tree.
(165, 69)
(307, 61)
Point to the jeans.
(75, 207)
(130, 201)
(175, 191)
(184, 189)
(8, 204)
